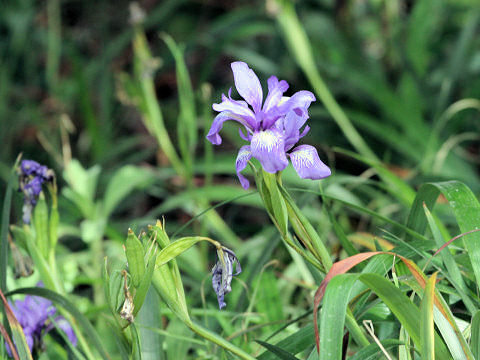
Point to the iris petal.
(308, 165)
(238, 108)
(275, 92)
(217, 125)
(244, 155)
(268, 147)
(248, 85)
(300, 101)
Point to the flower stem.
(216, 339)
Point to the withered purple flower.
(223, 274)
(272, 129)
(32, 175)
(33, 314)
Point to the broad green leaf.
(124, 181)
(82, 181)
(40, 222)
(135, 257)
(332, 316)
(176, 248)
(151, 343)
(278, 205)
(145, 283)
(427, 330)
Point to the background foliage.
(397, 86)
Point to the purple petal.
(217, 125)
(308, 165)
(244, 155)
(248, 85)
(67, 329)
(275, 92)
(268, 147)
(246, 137)
(29, 167)
(300, 101)
(238, 108)
(292, 125)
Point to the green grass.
(120, 111)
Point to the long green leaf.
(7, 200)
(332, 316)
(279, 352)
(475, 338)
(427, 331)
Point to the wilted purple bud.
(32, 175)
(33, 315)
(223, 274)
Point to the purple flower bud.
(223, 274)
(32, 176)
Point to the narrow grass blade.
(449, 262)
(279, 352)
(136, 346)
(293, 344)
(373, 352)
(427, 330)
(466, 209)
(7, 201)
(475, 338)
(9, 342)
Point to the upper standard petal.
(248, 85)
(275, 92)
(299, 102)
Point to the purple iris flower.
(33, 315)
(272, 129)
(223, 274)
(32, 176)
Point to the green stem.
(216, 339)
